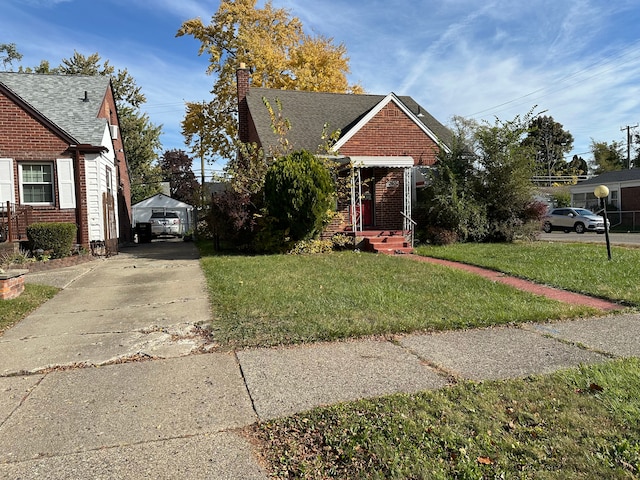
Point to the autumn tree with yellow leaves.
(280, 54)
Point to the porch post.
(353, 200)
(356, 200)
(360, 197)
(407, 200)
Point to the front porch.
(377, 210)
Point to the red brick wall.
(24, 138)
(389, 201)
(242, 84)
(11, 287)
(392, 133)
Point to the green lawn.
(578, 267)
(575, 424)
(581, 423)
(14, 310)
(282, 299)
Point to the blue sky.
(579, 60)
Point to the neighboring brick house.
(62, 157)
(385, 139)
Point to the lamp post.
(602, 192)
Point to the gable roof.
(614, 177)
(309, 111)
(60, 99)
(160, 200)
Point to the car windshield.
(583, 211)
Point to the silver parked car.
(165, 223)
(570, 219)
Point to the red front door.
(367, 213)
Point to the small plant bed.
(286, 299)
(582, 268)
(579, 423)
(14, 310)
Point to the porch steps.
(390, 242)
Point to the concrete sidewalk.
(180, 411)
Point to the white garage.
(163, 203)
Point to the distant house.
(624, 190)
(62, 158)
(624, 193)
(386, 139)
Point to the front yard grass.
(284, 299)
(579, 423)
(14, 310)
(582, 268)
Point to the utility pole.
(628, 128)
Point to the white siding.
(94, 210)
(96, 178)
(109, 160)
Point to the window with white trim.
(36, 183)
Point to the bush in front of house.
(57, 238)
(299, 195)
(480, 188)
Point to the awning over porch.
(369, 161)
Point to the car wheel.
(579, 227)
(547, 227)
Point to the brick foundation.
(11, 284)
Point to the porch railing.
(413, 224)
(14, 220)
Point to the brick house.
(62, 158)
(384, 139)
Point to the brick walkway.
(526, 285)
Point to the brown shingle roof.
(308, 112)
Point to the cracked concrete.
(70, 331)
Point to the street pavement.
(117, 378)
(628, 239)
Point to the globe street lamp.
(602, 192)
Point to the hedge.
(57, 238)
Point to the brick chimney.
(242, 81)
